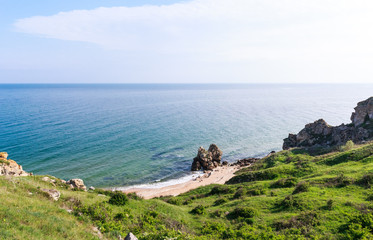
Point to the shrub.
(221, 189)
(305, 219)
(285, 183)
(340, 181)
(301, 187)
(352, 155)
(370, 197)
(220, 201)
(120, 216)
(366, 180)
(244, 212)
(290, 202)
(268, 174)
(174, 201)
(239, 193)
(97, 212)
(348, 146)
(187, 201)
(359, 227)
(257, 192)
(119, 199)
(199, 210)
(303, 165)
(218, 213)
(134, 196)
(330, 204)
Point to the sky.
(190, 41)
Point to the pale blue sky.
(195, 41)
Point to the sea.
(122, 135)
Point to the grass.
(292, 194)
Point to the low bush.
(221, 189)
(119, 199)
(220, 201)
(347, 147)
(239, 193)
(174, 201)
(330, 204)
(291, 202)
(188, 201)
(98, 212)
(268, 174)
(285, 183)
(256, 192)
(302, 187)
(359, 227)
(199, 210)
(352, 155)
(366, 180)
(339, 181)
(134, 196)
(243, 212)
(305, 219)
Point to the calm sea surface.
(121, 135)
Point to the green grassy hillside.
(289, 195)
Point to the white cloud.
(294, 33)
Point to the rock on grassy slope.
(292, 194)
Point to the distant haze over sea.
(121, 135)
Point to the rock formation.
(10, 167)
(363, 112)
(207, 160)
(52, 193)
(245, 162)
(320, 133)
(77, 184)
(130, 236)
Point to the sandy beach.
(217, 176)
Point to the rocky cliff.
(10, 167)
(320, 133)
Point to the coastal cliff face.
(9, 167)
(320, 133)
(363, 112)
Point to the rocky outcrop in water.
(207, 159)
(9, 167)
(320, 133)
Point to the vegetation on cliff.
(292, 194)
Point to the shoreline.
(218, 175)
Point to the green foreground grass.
(289, 195)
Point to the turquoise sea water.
(121, 135)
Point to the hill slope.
(292, 194)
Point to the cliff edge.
(319, 133)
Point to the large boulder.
(52, 193)
(320, 133)
(207, 159)
(77, 184)
(9, 167)
(130, 236)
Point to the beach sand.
(217, 176)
